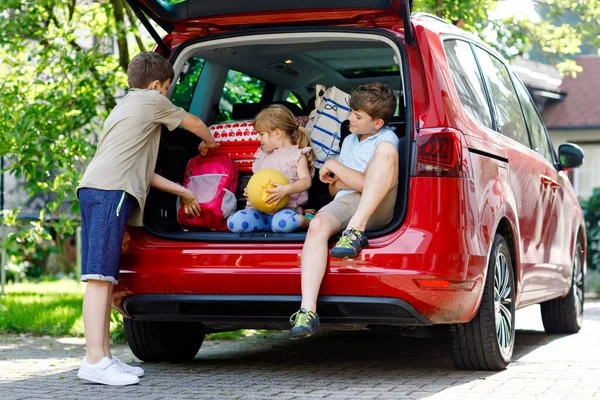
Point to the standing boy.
(113, 191)
(364, 184)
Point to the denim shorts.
(104, 215)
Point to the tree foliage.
(63, 63)
(591, 213)
(563, 28)
(58, 80)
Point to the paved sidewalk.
(334, 366)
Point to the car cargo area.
(227, 81)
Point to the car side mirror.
(570, 156)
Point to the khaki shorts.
(344, 208)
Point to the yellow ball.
(258, 186)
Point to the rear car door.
(556, 233)
(528, 176)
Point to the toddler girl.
(286, 147)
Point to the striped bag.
(331, 109)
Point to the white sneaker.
(137, 371)
(106, 372)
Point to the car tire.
(487, 341)
(163, 341)
(565, 314)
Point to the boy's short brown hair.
(147, 67)
(376, 99)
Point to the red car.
(486, 220)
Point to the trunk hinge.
(406, 9)
(139, 12)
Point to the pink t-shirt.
(286, 162)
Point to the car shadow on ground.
(373, 349)
(361, 359)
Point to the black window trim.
(514, 77)
(446, 38)
(529, 135)
(503, 62)
(486, 90)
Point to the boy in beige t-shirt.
(113, 192)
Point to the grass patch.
(233, 335)
(48, 308)
(54, 309)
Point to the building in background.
(542, 80)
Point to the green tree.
(591, 213)
(57, 84)
(518, 34)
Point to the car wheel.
(487, 342)
(163, 341)
(565, 314)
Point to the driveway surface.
(335, 365)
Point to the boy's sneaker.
(106, 372)
(137, 371)
(305, 324)
(350, 244)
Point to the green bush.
(34, 250)
(591, 213)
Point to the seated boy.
(364, 182)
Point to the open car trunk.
(228, 78)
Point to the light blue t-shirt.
(356, 155)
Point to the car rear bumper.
(270, 311)
(270, 295)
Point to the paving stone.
(379, 366)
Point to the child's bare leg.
(107, 323)
(378, 182)
(304, 222)
(94, 314)
(314, 257)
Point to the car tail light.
(442, 152)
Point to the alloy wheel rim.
(578, 282)
(503, 305)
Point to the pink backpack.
(213, 179)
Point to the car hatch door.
(192, 18)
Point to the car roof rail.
(427, 15)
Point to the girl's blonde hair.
(280, 117)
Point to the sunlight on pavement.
(560, 368)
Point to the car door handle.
(548, 182)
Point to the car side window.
(537, 132)
(507, 110)
(239, 88)
(186, 83)
(467, 80)
(292, 98)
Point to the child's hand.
(326, 176)
(204, 147)
(246, 193)
(277, 193)
(190, 203)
